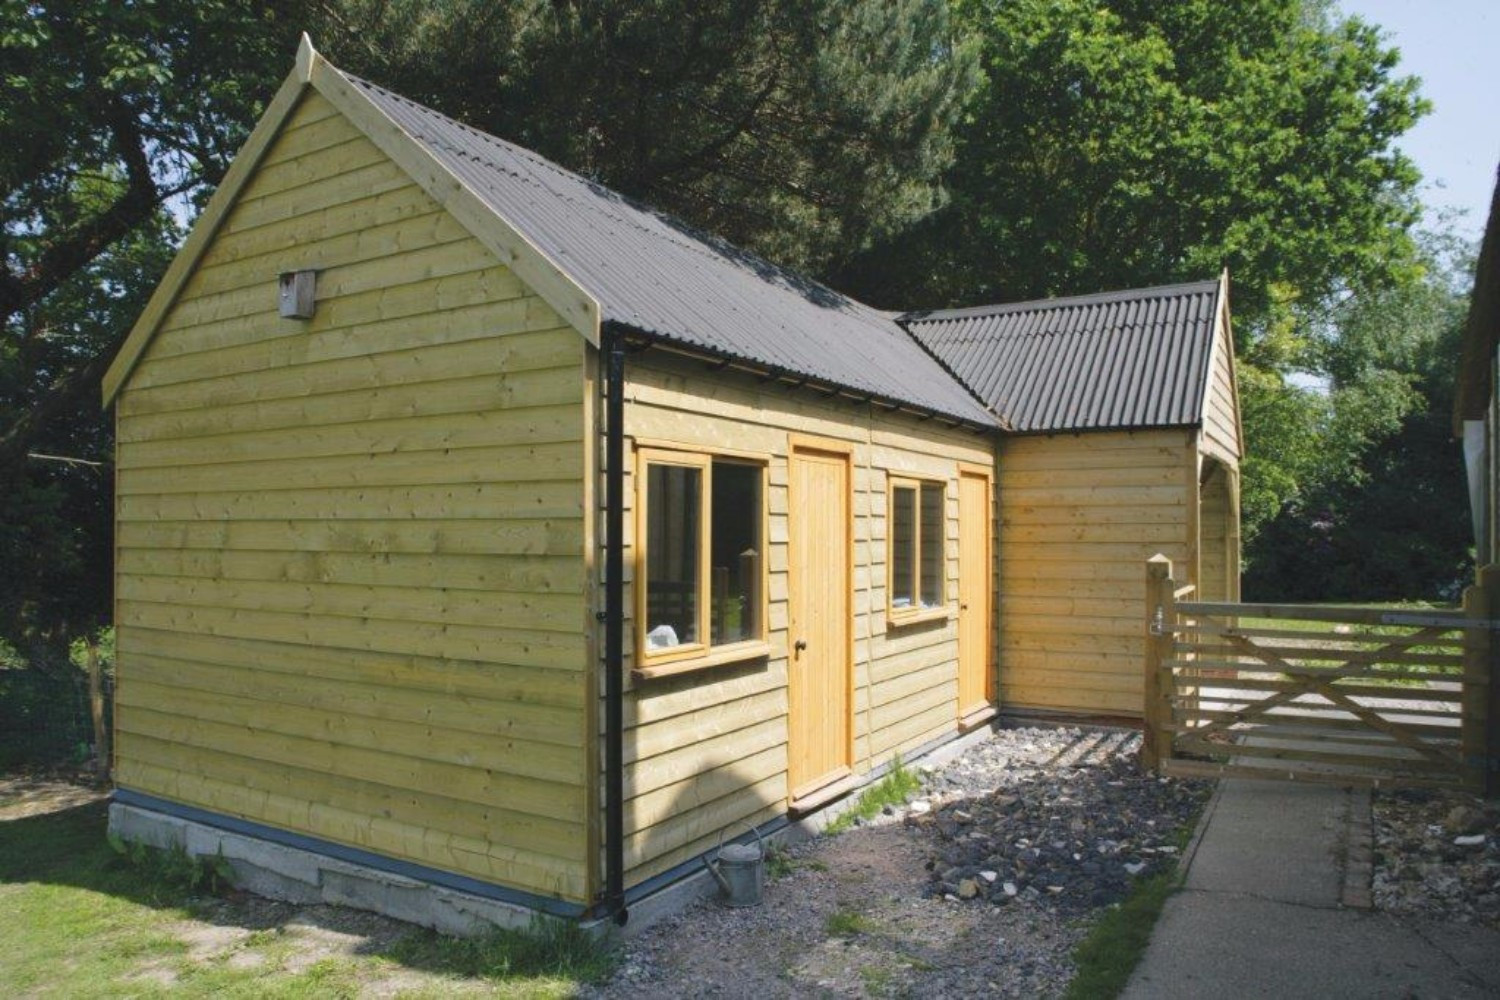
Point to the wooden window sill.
(901, 619)
(721, 656)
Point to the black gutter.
(612, 341)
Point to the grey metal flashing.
(353, 855)
(1084, 431)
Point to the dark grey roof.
(659, 276)
(1131, 359)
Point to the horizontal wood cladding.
(1080, 515)
(1221, 415)
(707, 750)
(351, 592)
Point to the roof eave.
(766, 371)
(1077, 431)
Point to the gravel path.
(981, 884)
(1437, 856)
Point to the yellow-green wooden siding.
(350, 570)
(1080, 515)
(707, 749)
(1221, 417)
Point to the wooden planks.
(1328, 700)
(1079, 517)
(708, 750)
(350, 578)
(1223, 438)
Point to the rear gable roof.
(1117, 360)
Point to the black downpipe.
(614, 627)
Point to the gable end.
(559, 290)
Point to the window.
(702, 555)
(916, 537)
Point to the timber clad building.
(481, 529)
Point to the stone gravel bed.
(1437, 856)
(983, 882)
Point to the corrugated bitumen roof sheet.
(659, 276)
(1131, 359)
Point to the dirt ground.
(35, 793)
(850, 920)
(877, 911)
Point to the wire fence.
(45, 715)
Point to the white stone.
(919, 807)
(989, 876)
(1473, 840)
(1135, 867)
(1010, 888)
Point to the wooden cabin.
(1123, 441)
(481, 530)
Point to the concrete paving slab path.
(1275, 903)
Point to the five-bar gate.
(1342, 694)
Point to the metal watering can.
(740, 870)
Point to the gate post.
(1161, 615)
(1479, 735)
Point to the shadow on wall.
(705, 751)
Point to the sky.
(1454, 47)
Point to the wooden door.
(975, 579)
(819, 745)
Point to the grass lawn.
(83, 921)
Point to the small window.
(736, 558)
(916, 537)
(703, 553)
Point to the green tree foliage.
(1118, 143)
(1384, 518)
(115, 120)
(803, 129)
(1121, 143)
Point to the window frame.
(703, 653)
(915, 612)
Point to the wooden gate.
(1326, 693)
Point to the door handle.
(799, 645)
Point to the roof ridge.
(1059, 302)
